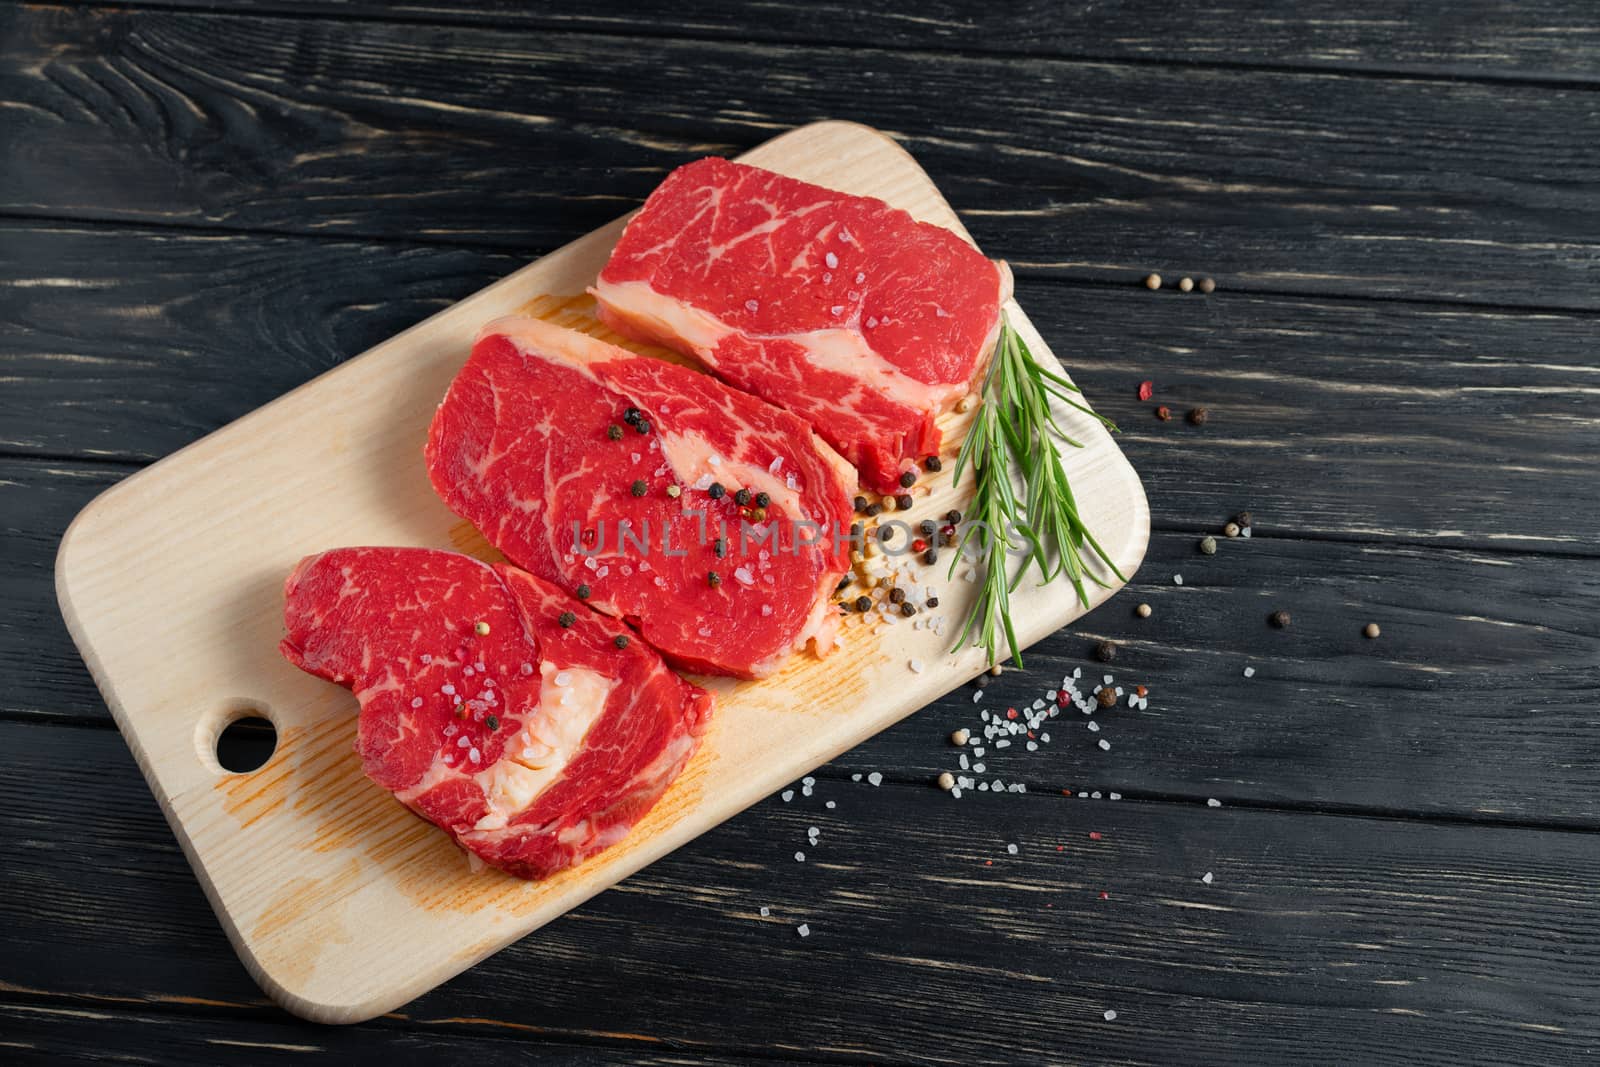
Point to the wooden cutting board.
(341, 903)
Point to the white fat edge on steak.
(843, 348)
(571, 701)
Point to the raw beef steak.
(851, 314)
(493, 704)
(714, 523)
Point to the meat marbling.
(534, 445)
(533, 744)
(846, 311)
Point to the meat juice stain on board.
(578, 313)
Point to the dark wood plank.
(1480, 653)
(1371, 421)
(1320, 938)
(1475, 38)
(1278, 181)
(45, 1032)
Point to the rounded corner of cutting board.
(303, 1000)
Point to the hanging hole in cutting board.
(246, 743)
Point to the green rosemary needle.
(1015, 432)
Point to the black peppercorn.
(843, 584)
(873, 511)
(632, 415)
(933, 602)
(897, 596)
(717, 491)
(1198, 416)
(614, 432)
(904, 502)
(720, 547)
(907, 610)
(863, 603)
(492, 722)
(639, 488)
(567, 619)
(642, 426)
(1243, 518)
(621, 640)
(933, 463)
(931, 556)
(742, 497)
(861, 503)
(952, 516)
(1280, 619)
(1105, 651)
(928, 527)
(583, 592)
(908, 479)
(762, 500)
(713, 579)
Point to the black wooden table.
(204, 206)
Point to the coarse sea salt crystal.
(831, 260)
(1116, 796)
(426, 659)
(855, 777)
(1110, 1015)
(1206, 878)
(804, 929)
(416, 702)
(765, 912)
(563, 678)
(475, 756)
(799, 857)
(787, 795)
(860, 277)
(775, 465)
(744, 576)
(916, 666)
(1213, 802)
(1105, 744)
(1177, 579)
(1012, 849)
(1249, 672)
(766, 609)
(448, 690)
(751, 305)
(875, 779)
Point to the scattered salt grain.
(1111, 1016)
(1094, 727)
(751, 305)
(1213, 802)
(1012, 849)
(1206, 878)
(475, 756)
(855, 777)
(830, 805)
(875, 779)
(808, 780)
(787, 795)
(799, 857)
(1177, 579)
(831, 260)
(563, 678)
(416, 702)
(448, 690)
(765, 912)
(1105, 744)
(1249, 672)
(916, 666)
(804, 930)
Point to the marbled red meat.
(714, 523)
(533, 744)
(845, 311)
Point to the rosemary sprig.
(1015, 430)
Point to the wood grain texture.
(1280, 181)
(1319, 938)
(342, 903)
(1544, 39)
(1480, 653)
(1375, 421)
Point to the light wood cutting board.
(341, 903)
